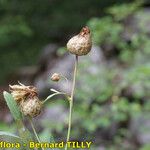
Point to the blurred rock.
(64, 66)
(25, 74)
(28, 74)
(47, 56)
(56, 114)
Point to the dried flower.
(80, 44)
(26, 97)
(20, 92)
(55, 77)
(31, 107)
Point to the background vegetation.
(26, 26)
(121, 86)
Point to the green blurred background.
(26, 26)
(113, 104)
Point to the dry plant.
(24, 102)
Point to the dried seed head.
(20, 92)
(26, 97)
(55, 77)
(31, 106)
(80, 44)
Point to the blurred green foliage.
(145, 147)
(118, 92)
(27, 26)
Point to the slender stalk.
(71, 101)
(64, 78)
(33, 128)
(49, 97)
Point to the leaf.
(4, 133)
(51, 138)
(24, 133)
(44, 136)
(47, 136)
(11, 103)
(9, 137)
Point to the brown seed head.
(26, 98)
(31, 106)
(80, 44)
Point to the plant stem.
(64, 78)
(71, 101)
(33, 128)
(49, 97)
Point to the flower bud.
(55, 77)
(31, 106)
(80, 44)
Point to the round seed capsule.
(80, 44)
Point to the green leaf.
(9, 137)
(4, 133)
(14, 109)
(44, 136)
(24, 133)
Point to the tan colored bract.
(21, 92)
(26, 97)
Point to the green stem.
(71, 101)
(33, 128)
(64, 78)
(49, 97)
